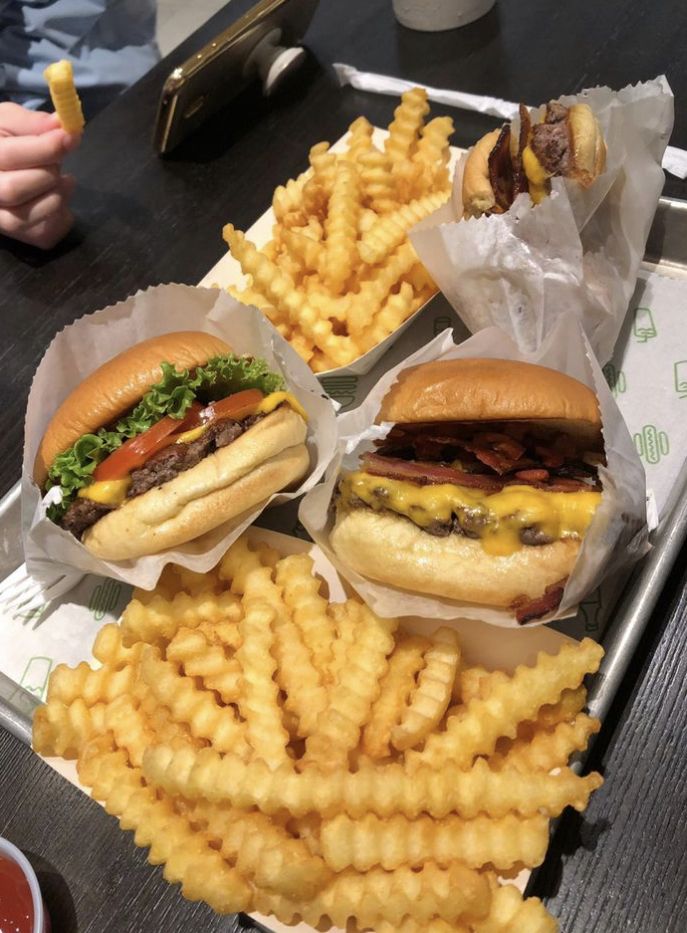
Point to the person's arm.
(34, 194)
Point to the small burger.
(514, 160)
(165, 442)
(483, 489)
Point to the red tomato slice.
(236, 406)
(134, 453)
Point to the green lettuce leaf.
(173, 396)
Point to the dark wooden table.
(144, 221)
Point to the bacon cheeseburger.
(483, 489)
(166, 441)
(507, 162)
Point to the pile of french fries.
(339, 274)
(309, 760)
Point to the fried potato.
(339, 274)
(258, 740)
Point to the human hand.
(34, 194)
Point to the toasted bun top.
(488, 390)
(588, 146)
(117, 386)
(478, 194)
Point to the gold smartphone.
(209, 80)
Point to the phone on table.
(207, 82)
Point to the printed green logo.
(680, 374)
(615, 378)
(342, 388)
(104, 598)
(651, 443)
(644, 328)
(32, 615)
(35, 677)
(591, 611)
(441, 323)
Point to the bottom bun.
(269, 457)
(391, 549)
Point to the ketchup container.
(21, 904)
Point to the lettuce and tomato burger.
(484, 488)
(165, 442)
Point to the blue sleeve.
(111, 43)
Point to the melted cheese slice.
(537, 175)
(108, 492)
(496, 518)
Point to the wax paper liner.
(578, 252)
(617, 536)
(83, 346)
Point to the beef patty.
(161, 468)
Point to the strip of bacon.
(532, 476)
(527, 610)
(423, 473)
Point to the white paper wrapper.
(617, 536)
(578, 252)
(83, 346)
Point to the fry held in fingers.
(280, 753)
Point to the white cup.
(11, 852)
(436, 15)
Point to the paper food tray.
(228, 272)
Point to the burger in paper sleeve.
(167, 441)
(567, 142)
(482, 490)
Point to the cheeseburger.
(514, 160)
(483, 489)
(165, 442)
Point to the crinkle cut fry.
(281, 290)
(186, 854)
(451, 894)
(433, 693)
(68, 684)
(351, 698)
(383, 790)
(548, 750)
(259, 703)
(197, 708)
(263, 852)
(159, 619)
(64, 730)
(200, 658)
(509, 911)
(405, 127)
(109, 649)
(301, 592)
(391, 229)
(341, 228)
(368, 841)
(476, 730)
(404, 664)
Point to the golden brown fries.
(65, 99)
(282, 754)
(339, 274)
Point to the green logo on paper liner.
(104, 598)
(615, 378)
(341, 388)
(651, 443)
(35, 676)
(644, 328)
(441, 323)
(591, 611)
(680, 376)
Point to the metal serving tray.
(624, 619)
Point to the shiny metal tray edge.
(627, 619)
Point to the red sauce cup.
(18, 882)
